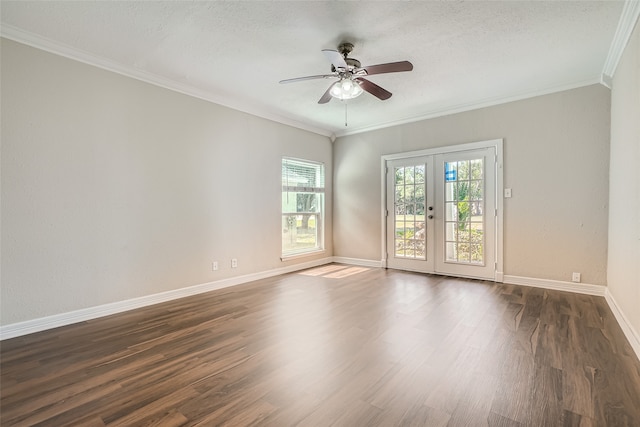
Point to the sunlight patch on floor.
(346, 272)
(333, 271)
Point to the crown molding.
(626, 24)
(631, 9)
(30, 39)
(461, 108)
(606, 81)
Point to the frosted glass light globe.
(346, 88)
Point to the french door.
(442, 213)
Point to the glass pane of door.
(464, 211)
(410, 232)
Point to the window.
(302, 207)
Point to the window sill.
(292, 257)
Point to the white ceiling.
(465, 54)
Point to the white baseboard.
(63, 319)
(625, 325)
(558, 285)
(357, 261)
(36, 325)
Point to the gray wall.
(556, 160)
(624, 192)
(114, 189)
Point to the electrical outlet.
(214, 266)
(234, 263)
(575, 277)
(507, 193)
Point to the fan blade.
(299, 79)
(391, 67)
(327, 96)
(335, 57)
(374, 89)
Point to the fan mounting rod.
(345, 48)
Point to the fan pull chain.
(345, 113)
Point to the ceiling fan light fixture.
(350, 73)
(346, 88)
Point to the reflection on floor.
(380, 348)
(333, 271)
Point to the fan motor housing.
(351, 62)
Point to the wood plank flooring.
(333, 346)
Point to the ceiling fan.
(351, 75)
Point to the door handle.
(430, 217)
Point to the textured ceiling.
(465, 54)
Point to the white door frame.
(497, 144)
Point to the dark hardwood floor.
(336, 345)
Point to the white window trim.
(302, 254)
(317, 250)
